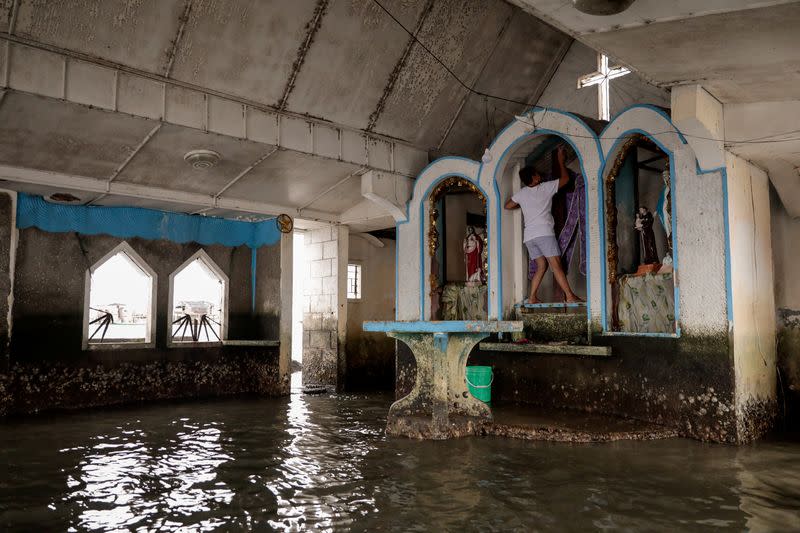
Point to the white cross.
(601, 78)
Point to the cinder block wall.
(325, 316)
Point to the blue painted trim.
(444, 326)
(538, 132)
(127, 222)
(602, 223)
(644, 106)
(253, 263)
(422, 240)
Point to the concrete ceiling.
(104, 97)
(739, 50)
(743, 52)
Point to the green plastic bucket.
(479, 382)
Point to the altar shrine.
(644, 230)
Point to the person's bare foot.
(530, 300)
(573, 299)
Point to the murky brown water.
(324, 463)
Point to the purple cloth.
(574, 228)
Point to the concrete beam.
(80, 183)
(53, 72)
(390, 192)
(769, 130)
(371, 239)
(699, 116)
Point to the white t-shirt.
(536, 204)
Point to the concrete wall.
(562, 92)
(785, 239)
(8, 240)
(325, 319)
(49, 294)
(47, 367)
(370, 356)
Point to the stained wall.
(370, 355)
(48, 369)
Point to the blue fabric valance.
(127, 222)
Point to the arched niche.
(499, 172)
(457, 250)
(638, 222)
(413, 281)
(643, 150)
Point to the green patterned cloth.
(647, 303)
(460, 302)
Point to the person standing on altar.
(536, 200)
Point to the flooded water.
(323, 462)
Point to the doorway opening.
(300, 273)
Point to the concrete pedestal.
(440, 405)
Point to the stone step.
(545, 326)
(550, 349)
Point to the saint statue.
(647, 239)
(473, 257)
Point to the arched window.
(199, 301)
(120, 300)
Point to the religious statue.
(647, 239)
(473, 257)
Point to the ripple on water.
(324, 462)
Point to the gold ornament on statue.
(285, 223)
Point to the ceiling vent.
(63, 198)
(602, 7)
(202, 159)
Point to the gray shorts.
(543, 246)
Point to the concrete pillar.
(325, 317)
(285, 326)
(8, 248)
(753, 298)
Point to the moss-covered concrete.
(684, 383)
(439, 405)
(788, 347)
(33, 388)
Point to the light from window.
(120, 294)
(353, 282)
(198, 301)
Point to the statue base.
(652, 268)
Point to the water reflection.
(128, 479)
(323, 462)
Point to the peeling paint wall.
(48, 368)
(370, 355)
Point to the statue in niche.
(647, 241)
(473, 258)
